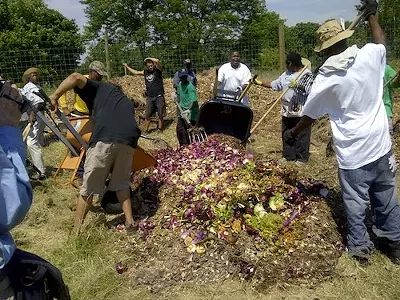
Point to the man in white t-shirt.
(348, 87)
(234, 76)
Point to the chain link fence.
(57, 63)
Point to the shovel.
(196, 134)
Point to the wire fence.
(57, 63)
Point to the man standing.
(155, 101)
(187, 100)
(111, 147)
(387, 93)
(16, 191)
(34, 140)
(292, 104)
(187, 67)
(349, 87)
(97, 71)
(234, 76)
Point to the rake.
(196, 134)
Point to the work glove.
(186, 114)
(258, 82)
(370, 7)
(288, 137)
(293, 84)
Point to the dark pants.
(300, 150)
(155, 105)
(182, 131)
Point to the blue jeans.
(374, 183)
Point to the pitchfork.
(196, 134)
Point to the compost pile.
(215, 212)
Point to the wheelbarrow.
(226, 114)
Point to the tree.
(301, 38)
(34, 35)
(389, 16)
(207, 30)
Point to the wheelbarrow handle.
(247, 88)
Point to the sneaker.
(42, 176)
(299, 163)
(362, 260)
(131, 228)
(282, 160)
(362, 256)
(394, 253)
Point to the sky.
(293, 11)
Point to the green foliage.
(389, 15)
(267, 225)
(28, 30)
(223, 212)
(302, 40)
(207, 30)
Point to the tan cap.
(330, 33)
(28, 72)
(98, 67)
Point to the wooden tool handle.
(276, 101)
(391, 80)
(26, 131)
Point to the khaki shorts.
(103, 159)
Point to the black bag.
(34, 278)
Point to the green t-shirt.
(187, 95)
(387, 93)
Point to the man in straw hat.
(348, 87)
(155, 101)
(34, 139)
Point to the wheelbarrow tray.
(220, 116)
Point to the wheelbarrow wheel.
(110, 203)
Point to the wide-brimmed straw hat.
(28, 72)
(330, 33)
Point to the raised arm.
(157, 63)
(133, 71)
(378, 36)
(371, 7)
(72, 81)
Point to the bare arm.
(72, 81)
(133, 71)
(378, 35)
(157, 63)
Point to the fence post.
(281, 46)
(107, 54)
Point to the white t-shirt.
(27, 92)
(353, 101)
(231, 78)
(281, 84)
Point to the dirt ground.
(88, 261)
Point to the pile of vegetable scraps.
(214, 197)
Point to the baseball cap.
(98, 67)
